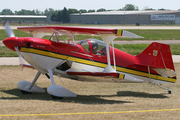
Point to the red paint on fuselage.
(122, 59)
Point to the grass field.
(92, 97)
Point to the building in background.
(23, 18)
(127, 17)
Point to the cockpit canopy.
(93, 46)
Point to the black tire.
(169, 92)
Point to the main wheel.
(57, 98)
(25, 92)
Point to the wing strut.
(108, 38)
(114, 56)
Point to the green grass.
(17, 33)
(6, 52)
(132, 49)
(158, 34)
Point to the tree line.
(64, 15)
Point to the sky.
(16, 5)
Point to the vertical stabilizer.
(157, 55)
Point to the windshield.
(97, 47)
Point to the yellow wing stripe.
(93, 63)
(119, 32)
(121, 76)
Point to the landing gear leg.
(58, 92)
(35, 79)
(166, 88)
(53, 84)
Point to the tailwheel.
(169, 92)
(166, 88)
(56, 98)
(25, 92)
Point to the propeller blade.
(8, 30)
(21, 60)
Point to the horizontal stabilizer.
(165, 72)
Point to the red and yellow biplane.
(89, 57)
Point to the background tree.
(147, 8)
(101, 10)
(24, 12)
(7, 12)
(65, 15)
(91, 11)
(72, 11)
(161, 9)
(59, 16)
(54, 16)
(48, 12)
(83, 11)
(130, 7)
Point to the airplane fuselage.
(62, 57)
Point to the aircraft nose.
(12, 42)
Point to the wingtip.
(139, 36)
(128, 34)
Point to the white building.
(23, 18)
(127, 17)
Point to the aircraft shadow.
(140, 94)
(84, 99)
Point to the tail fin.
(158, 57)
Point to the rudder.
(157, 55)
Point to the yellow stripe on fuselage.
(94, 63)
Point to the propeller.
(10, 33)
(8, 30)
(21, 60)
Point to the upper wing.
(44, 30)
